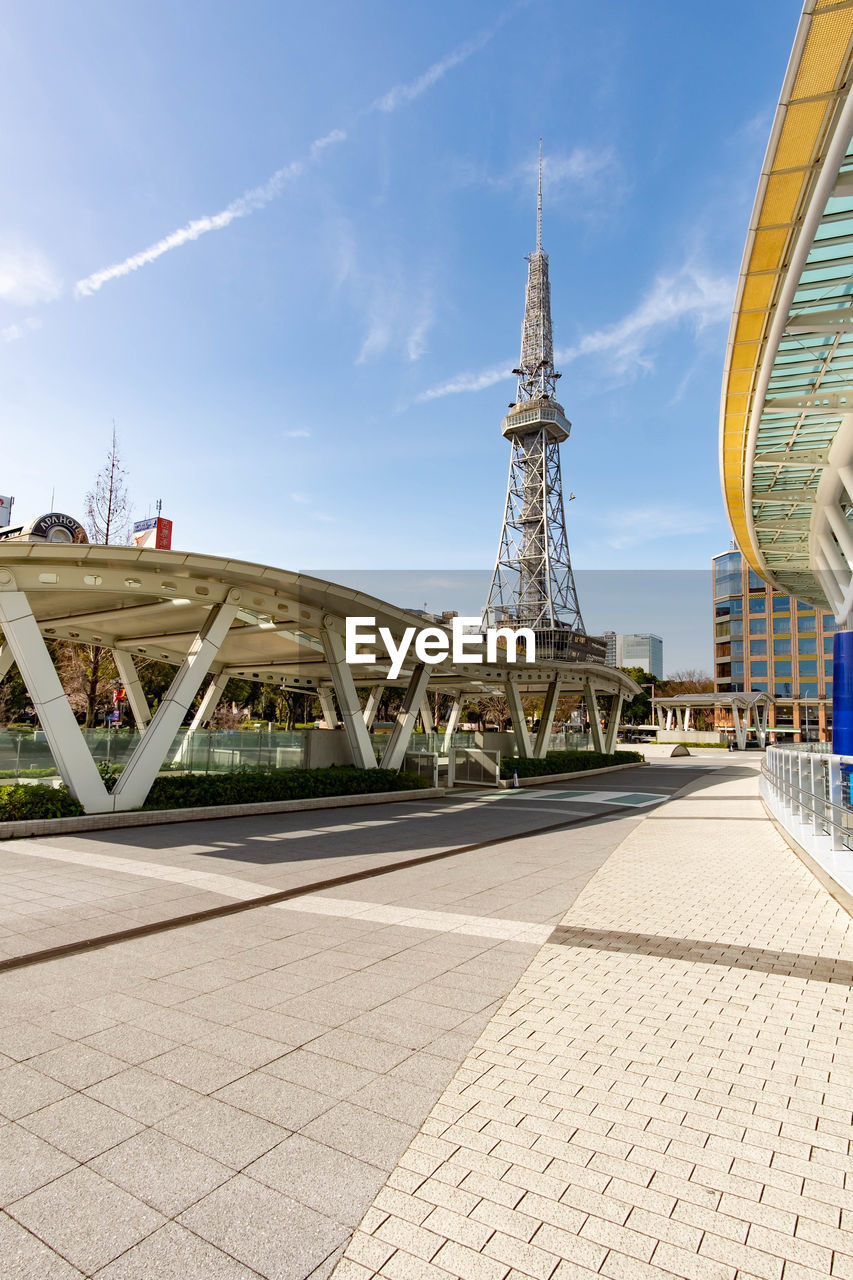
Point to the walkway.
(666, 1091)
(438, 1052)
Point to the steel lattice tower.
(533, 584)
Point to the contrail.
(256, 198)
(245, 204)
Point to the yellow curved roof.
(814, 91)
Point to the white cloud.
(402, 94)
(300, 499)
(298, 433)
(26, 277)
(640, 525)
(256, 198)
(690, 295)
(12, 332)
(467, 382)
(416, 343)
(249, 202)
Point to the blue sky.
(318, 217)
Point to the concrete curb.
(154, 817)
(544, 778)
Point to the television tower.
(533, 585)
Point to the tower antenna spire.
(539, 205)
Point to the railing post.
(836, 802)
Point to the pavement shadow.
(790, 964)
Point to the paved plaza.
(598, 1031)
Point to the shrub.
(565, 762)
(190, 791)
(37, 802)
(49, 772)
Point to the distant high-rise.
(533, 584)
(635, 650)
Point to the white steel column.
(740, 730)
(142, 767)
(67, 744)
(659, 712)
(761, 717)
(594, 716)
(613, 722)
(395, 752)
(352, 716)
(668, 719)
(128, 675)
(202, 717)
(426, 715)
(327, 706)
(453, 718)
(523, 744)
(687, 711)
(546, 724)
(371, 707)
(7, 659)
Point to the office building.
(634, 650)
(767, 642)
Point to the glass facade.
(789, 656)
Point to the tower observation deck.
(533, 584)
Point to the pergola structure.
(786, 429)
(748, 711)
(214, 617)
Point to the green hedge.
(37, 802)
(565, 762)
(189, 791)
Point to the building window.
(736, 627)
(808, 689)
(828, 642)
(807, 644)
(727, 575)
(758, 669)
(783, 689)
(781, 604)
(808, 667)
(757, 604)
(782, 667)
(782, 625)
(781, 646)
(827, 668)
(737, 670)
(737, 648)
(829, 623)
(757, 648)
(756, 583)
(759, 686)
(758, 626)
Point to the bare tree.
(690, 680)
(87, 669)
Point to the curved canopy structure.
(787, 406)
(206, 614)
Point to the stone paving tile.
(165, 1174)
(645, 1103)
(27, 1163)
(173, 1253)
(258, 1226)
(86, 1219)
(27, 1258)
(238, 995)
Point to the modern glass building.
(636, 650)
(767, 642)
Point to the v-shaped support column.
(67, 745)
(358, 735)
(128, 675)
(546, 724)
(613, 722)
(7, 660)
(395, 753)
(519, 724)
(142, 767)
(594, 715)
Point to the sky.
(282, 247)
